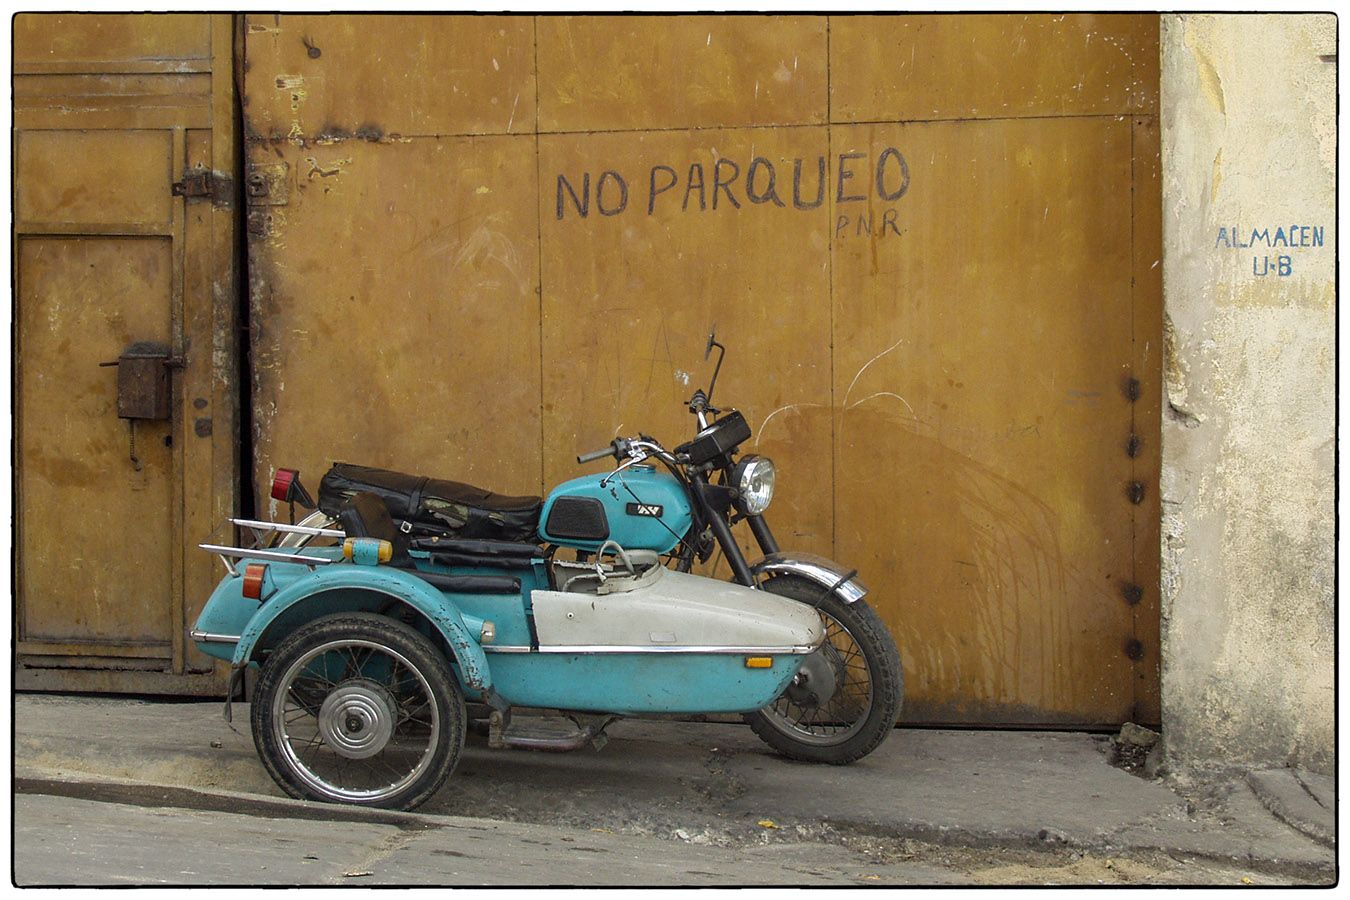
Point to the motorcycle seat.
(434, 506)
(365, 515)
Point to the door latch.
(144, 385)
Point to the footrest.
(557, 735)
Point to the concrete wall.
(1248, 148)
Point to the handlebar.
(635, 448)
(597, 454)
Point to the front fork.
(717, 518)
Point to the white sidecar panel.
(676, 612)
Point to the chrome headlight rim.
(753, 478)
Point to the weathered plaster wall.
(1248, 144)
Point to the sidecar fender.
(424, 598)
(825, 572)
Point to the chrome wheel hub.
(815, 682)
(357, 719)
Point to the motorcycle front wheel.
(845, 699)
(358, 708)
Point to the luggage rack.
(262, 533)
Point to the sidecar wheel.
(358, 708)
(861, 668)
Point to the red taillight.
(253, 580)
(287, 488)
(282, 482)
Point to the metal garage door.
(478, 245)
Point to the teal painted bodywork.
(616, 682)
(347, 587)
(442, 611)
(639, 484)
(634, 683)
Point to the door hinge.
(201, 182)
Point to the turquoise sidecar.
(369, 645)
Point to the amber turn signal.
(758, 662)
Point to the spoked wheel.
(358, 708)
(844, 700)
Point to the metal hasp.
(144, 389)
(202, 182)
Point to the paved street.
(116, 790)
(65, 841)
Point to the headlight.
(753, 478)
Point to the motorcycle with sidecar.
(399, 599)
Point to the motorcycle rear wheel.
(860, 659)
(358, 708)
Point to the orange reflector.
(758, 662)
(253, 580)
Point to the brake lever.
(630, 461)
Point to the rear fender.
(424, 598)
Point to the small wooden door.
(124, 149)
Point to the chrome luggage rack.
(262, 534)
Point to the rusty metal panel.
(980, 360)
(321, 76)
(933, 327)
(1146, 443)
(627, 72)
(395, 311)
(917, 67)
(94, 177)
(630, 294)
(111, 43)
(95, 547)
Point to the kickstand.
(235, 676)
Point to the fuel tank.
(639, 508)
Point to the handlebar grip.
(596, 454)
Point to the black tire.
(774, 723)
(395, 693)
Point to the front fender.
(825, 572)
(416, 593)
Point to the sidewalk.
(708, 784)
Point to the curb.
(140, 793)
(1291, 797)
